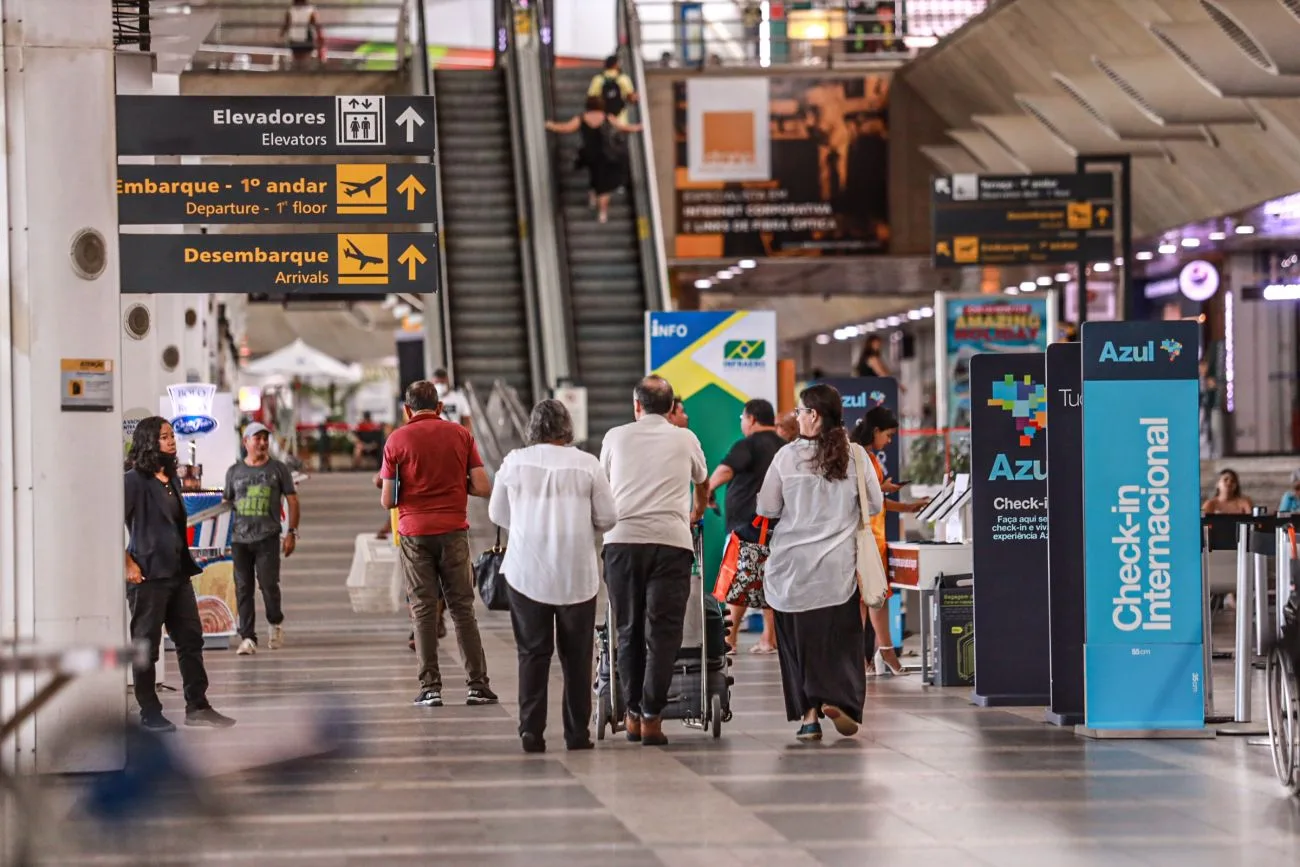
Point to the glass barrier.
(825, 33)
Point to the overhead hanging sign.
(1009, 527)
(279, 125)
(342, 193)
(1022, 219)
(354, 262)
(1142, 524)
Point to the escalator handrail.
(645, 180)
(545, 11)
(509, 61)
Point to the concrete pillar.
(60, 472)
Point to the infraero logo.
(744, 353)
(1026, 400)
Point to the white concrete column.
(60, 472)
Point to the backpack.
(612, 94)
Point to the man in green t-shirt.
(257, 486)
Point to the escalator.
(486, 299)
(607, 294)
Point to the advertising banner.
(209, 543)
(1143, 668)
(968, 326)
(860, 395)
(804, 174)
(1009, 527)
(716, 362)
(1065, 531)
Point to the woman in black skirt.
(603, 152)
(810, 580)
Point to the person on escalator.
(604, 151)
(614, 88)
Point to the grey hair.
(550, 422)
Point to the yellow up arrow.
(412, 258)
(411, 188)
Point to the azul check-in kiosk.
(1143, 657)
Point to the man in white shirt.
(455, 406)
(651, 466)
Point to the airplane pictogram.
(361, 188)
(354, 252)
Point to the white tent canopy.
(298, 360)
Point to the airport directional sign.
(957, 251)
(339, 193)
(1022, 219)
(345, 262)
(274, 125)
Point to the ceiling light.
(1191, 242)
(1101, 267)
(851, 330)
(735, 270)
(1245, 230)
(842, 334)
(914, 315)
(894, 321)
(823, 339)
(401, 311)
(881, 323)
(724, 275)
(1167, 249)
(747, 264)
(389, 301)
(1063, 277)
(1012, 290)
(869, 327)
(1028, 286)
(1145, 256)
(927, 312)
(1045, 281)
(1218, 236)
(703, 284)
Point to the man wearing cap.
(256, 486)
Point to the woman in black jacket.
(158, 572)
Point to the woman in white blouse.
(553, 499)
(811, 580)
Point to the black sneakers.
(156, 723)
(481, 695)
(428, 698)
(532, 743)
(208, 718)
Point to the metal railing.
(500, 422)
(822, 33)
(131, 24)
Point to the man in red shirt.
(431, 466)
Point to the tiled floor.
(931, 781)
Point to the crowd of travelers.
(631, 510)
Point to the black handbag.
(489, 578)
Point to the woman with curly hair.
(811, 580)
(158, 572)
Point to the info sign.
(1142, 527)
(1009, 527)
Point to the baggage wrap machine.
(919, 567)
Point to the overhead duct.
(1079, 131)
(1097, 95)
(952, 160)
(988, 151)
(1026, 140)
(1157, 85)
(1264, 31)
(1207, 53)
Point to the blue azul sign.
(193, 425)
(860, 395)
(1143, 592)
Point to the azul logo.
(1016, 471)
(664, 329)
(864, 400)
(1142, 353)
(1026, 400)
(744, 353)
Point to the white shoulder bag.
(872, 583)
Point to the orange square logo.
(728, 137)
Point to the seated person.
(1291, 499)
